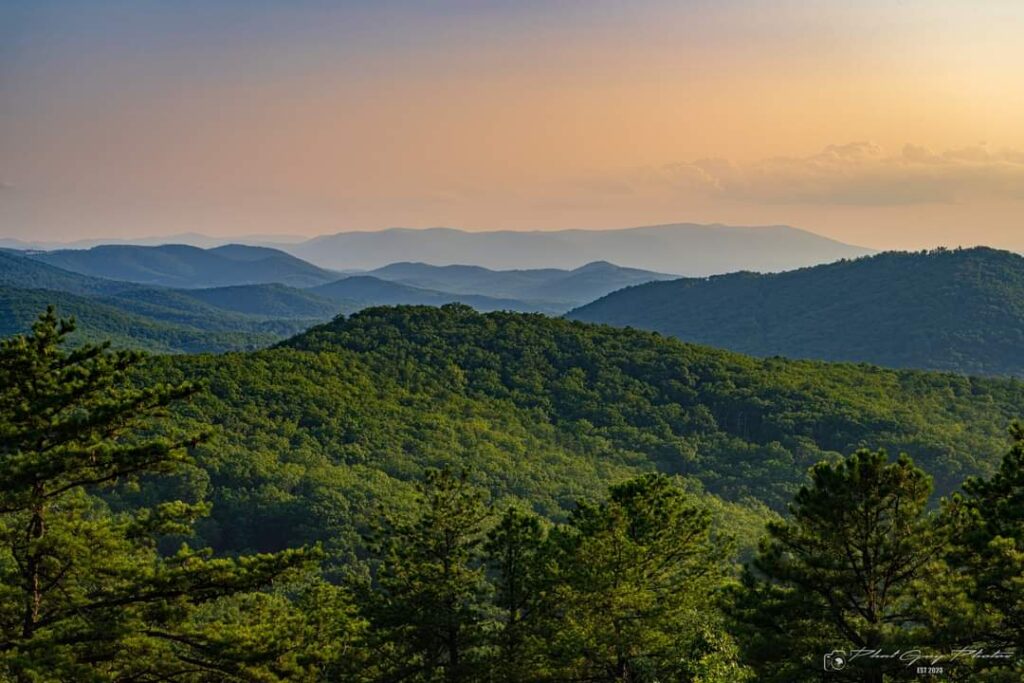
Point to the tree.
(988, 555)
(514, 551)
(630, 589)
(841, 573)
(427, 601)
(84, 593)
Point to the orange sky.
(877, 123)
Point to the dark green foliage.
(515, 557)
(841, 573)
(426, 608)
(85, 593)
(980, 603)
(136, 324)
(959, 310)
(629, 590)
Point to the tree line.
(862, 580)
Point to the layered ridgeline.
(548, 289)
(143, 311)
(311, 436)
(183, 266)
(157, 319)
(960, 310)
(682, 248)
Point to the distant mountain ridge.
(953, 310)
(184, 266)
(551, 289)
(364, 290)
(683, 249)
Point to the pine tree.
(84, 593)
(514, 551)
(630, 590)
(426, 605)
(841, 573)
(988, 555)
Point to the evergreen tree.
(84, 593)
(514, 552)
(427, 602)
(989, 558)
(630, 590)
(841, 574)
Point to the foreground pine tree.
(630, 590)
(84, 593)
(841, 574)
(427, 604)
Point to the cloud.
(858, 173)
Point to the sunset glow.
(876, 123)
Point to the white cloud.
(858, 173)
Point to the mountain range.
(179, 265)
(176, 298)
(955, 310)
(682, 248)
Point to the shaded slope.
(959, 310)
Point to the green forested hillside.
(960, 310)
(19, 270)
(159, 321)
(312, 434)
(429, 494)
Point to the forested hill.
(960, 310)
(178, 265)
(314, 433)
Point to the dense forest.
(954, 310)
(423, 494)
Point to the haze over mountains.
(954, 310)
(177, 298)
(683, 248)
(178, 265)
(946, 310)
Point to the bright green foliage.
(310, 436)
(85, 594)
(630, 590)
(841, 573)
(427, 603)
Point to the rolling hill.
(183, 266)
(158, 330)
(316, 433)
(22, 271)
(156, 319)
(960, 310)
(684, 249)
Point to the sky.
(888, 124)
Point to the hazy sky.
(895, 123)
